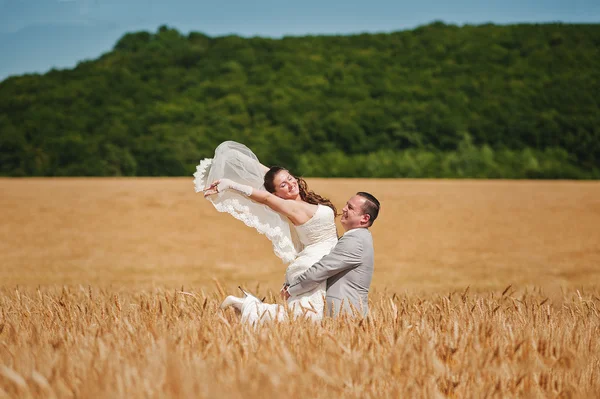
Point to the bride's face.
(286, 185)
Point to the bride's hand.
(218, 186)
(212, 189)
(224, 184)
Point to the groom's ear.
(366, 218)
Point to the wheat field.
(111, 287)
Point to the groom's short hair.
(370, 207)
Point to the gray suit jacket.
(348, 269)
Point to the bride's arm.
(290, 209)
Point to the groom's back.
(350, 288)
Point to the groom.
(348, 268)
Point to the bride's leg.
(232, 301)
(255, 311)
(235, 301)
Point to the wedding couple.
(301, 227)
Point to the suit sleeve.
(345, 255)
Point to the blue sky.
(36, 35)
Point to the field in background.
(91, 300)
(432, 236)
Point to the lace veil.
(237, 162)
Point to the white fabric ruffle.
(236, 162)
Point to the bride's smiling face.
(286, 185)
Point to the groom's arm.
(345, 255)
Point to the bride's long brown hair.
(307, 195)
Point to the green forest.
(485, 101)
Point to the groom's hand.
(284, 292)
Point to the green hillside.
(518, 101)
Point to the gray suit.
(348, 269)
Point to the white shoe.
(247, 294)
(232, 301)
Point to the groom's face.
(353, 215)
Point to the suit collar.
(352, 231)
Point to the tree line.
(516, 101)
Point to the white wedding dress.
(300, 246)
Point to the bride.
(299, 222)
